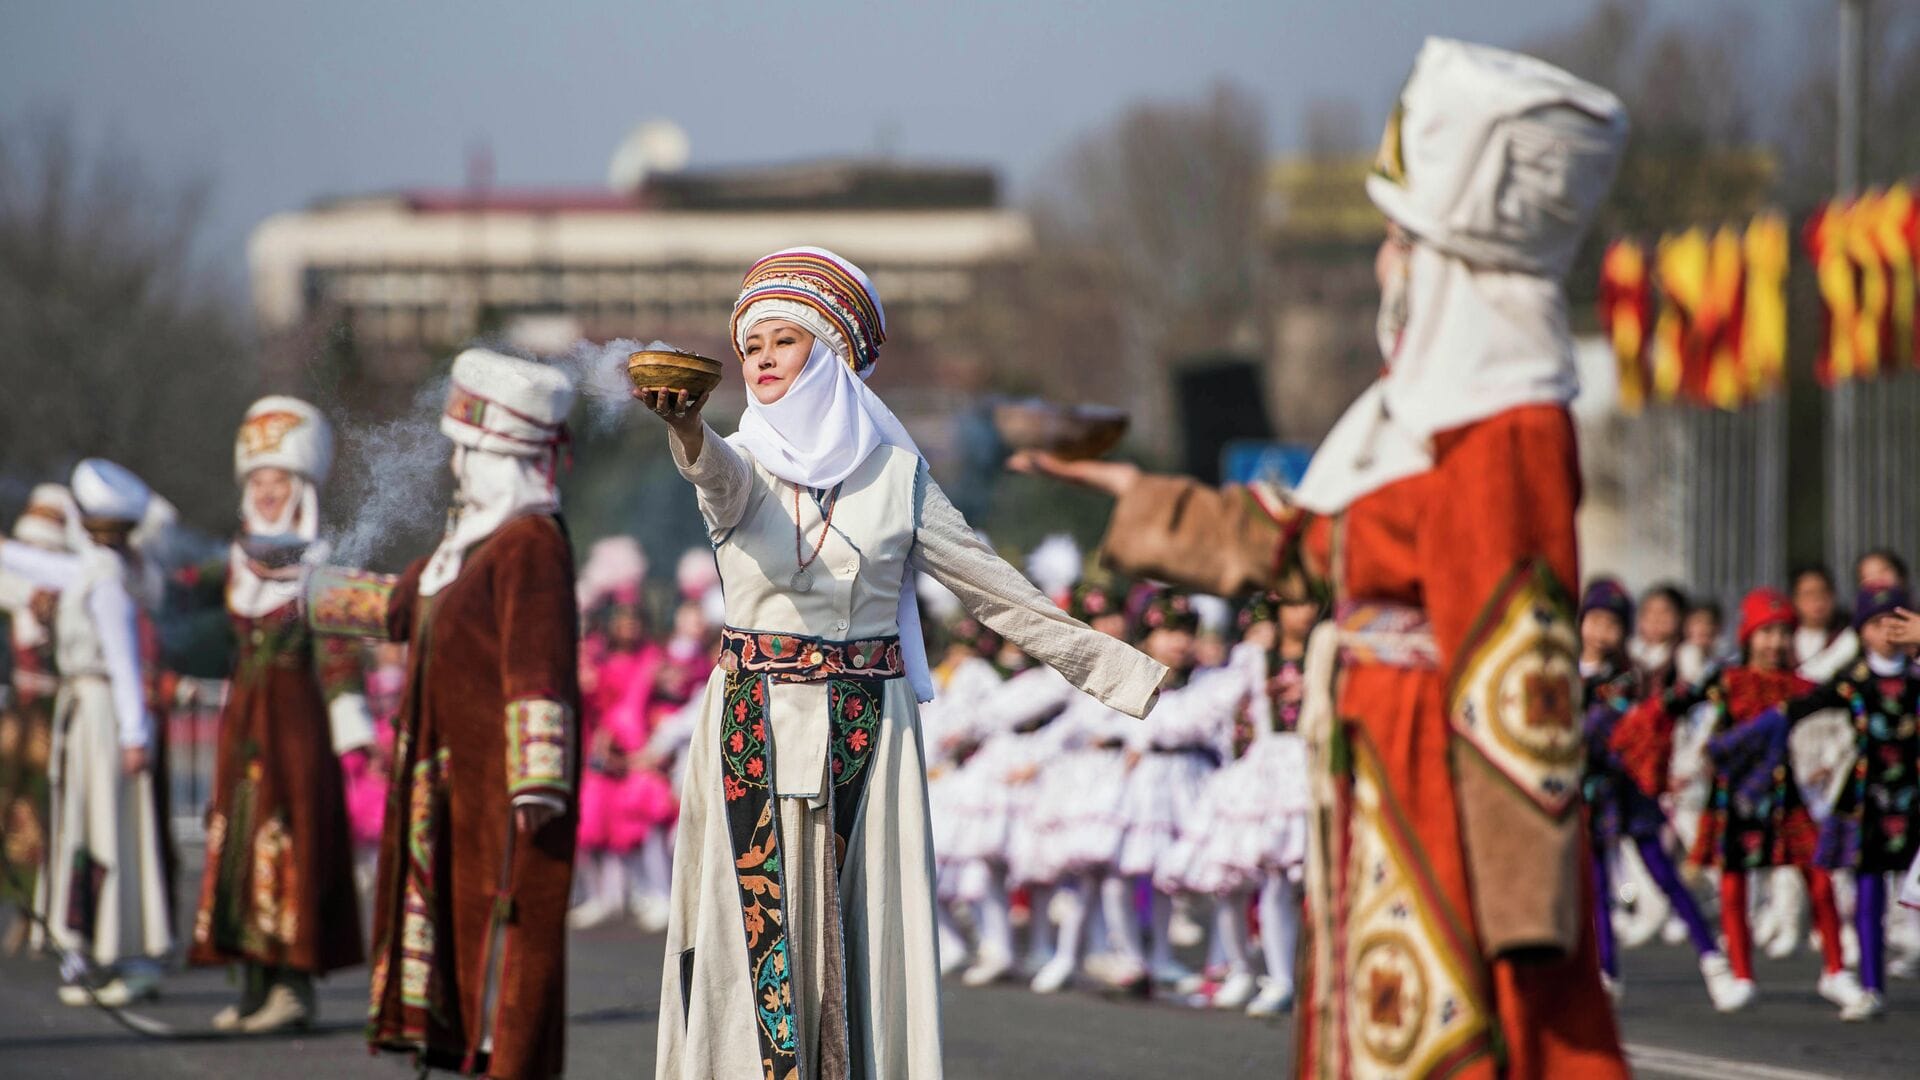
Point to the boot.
(253, 993)
(289, 1006)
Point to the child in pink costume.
(366, 767)
(619, 803)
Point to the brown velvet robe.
(469, 964)
(278, 886)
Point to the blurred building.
(1322, 236)
(400, 280)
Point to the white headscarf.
(819, 432)
(1475, 343)
(493, 490)
(255, 588)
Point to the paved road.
(997, 1032)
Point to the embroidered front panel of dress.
(421, 989)
(247, 904)
(1410, 1004)
(753, 827)
(1515, 689)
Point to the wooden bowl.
(1073, 432)
(663, 369)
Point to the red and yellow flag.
(1626, 303)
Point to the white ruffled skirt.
(1251, 819)
(1075, 823)
(1157, 806)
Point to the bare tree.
(1152, 236)
(1806, 136)
(112, 343)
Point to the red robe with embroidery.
(1452, 932)
(470, 914)
(278, 885)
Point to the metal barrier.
(1873, 466)
(193, 739)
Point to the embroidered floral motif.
(425, 803)
(216, 844)
(276, 917)
(539, 744)
(746, 751)
(754, 829)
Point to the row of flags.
(1701, 316)
(1863, 253)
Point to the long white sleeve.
(722, 479)
(16, 593)
(116, 623)
(996, 594)
(39, 567)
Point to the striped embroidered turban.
(822, 292)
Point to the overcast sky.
(279, 103)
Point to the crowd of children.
(1739, 786)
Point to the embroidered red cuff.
(539, 748)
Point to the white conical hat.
(1498, 158)
(282, 432)
(108, 491)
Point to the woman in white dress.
(801, 939)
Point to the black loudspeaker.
(1219, 399)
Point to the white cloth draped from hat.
(820, 430)
(285, 433)
(493, 490)
(255, 589)
(506, 417)
(1495, 164)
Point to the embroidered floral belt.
(1394, 635)
(799, 658)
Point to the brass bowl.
(664, 369)
(1072, 432)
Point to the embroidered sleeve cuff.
(540, 735)
(351, 603)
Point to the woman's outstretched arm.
(996, 594)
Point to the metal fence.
(1735, 498)
(193, 731)
(1873, 465)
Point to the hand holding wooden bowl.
(1068, 432)
(670, 369)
